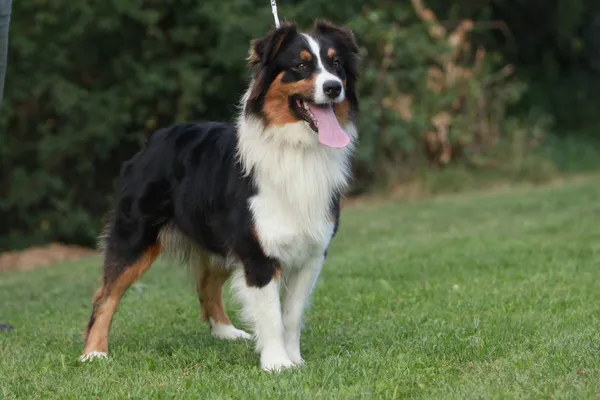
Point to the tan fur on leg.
(106, 301)
(209, 283)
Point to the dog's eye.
(301, 66)
(336, 63)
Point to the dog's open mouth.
(304, 111)
(321, 119)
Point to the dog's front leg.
(299, 283)
(257, 288)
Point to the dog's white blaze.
(323, 75)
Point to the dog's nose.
(332, 89)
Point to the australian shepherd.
(256, 200)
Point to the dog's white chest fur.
(284, 235)
(296, 178)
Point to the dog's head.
(307, 78)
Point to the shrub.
(429, 95)
(89, 81)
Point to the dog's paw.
(275, 361)
(276, 366)
(297, 360)
(228, 332)
(294, 353)
(94, 354)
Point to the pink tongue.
(330, 132)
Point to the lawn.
(489, 295)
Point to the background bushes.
(89, 81)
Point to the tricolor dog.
(256, 201)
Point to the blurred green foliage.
(556, 46)
(89, 81)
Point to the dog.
(257, 201)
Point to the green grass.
(491, 295)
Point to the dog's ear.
(344, 35)
(265, 49)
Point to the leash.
(274, 10)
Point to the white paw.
(296, 357)
(227, 332)
(92, 355)
(275, 361)
(293, 349)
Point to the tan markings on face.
(331, 53)
(305, 56)
(342, 111)
(344, 82)
(277, 110)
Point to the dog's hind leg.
(210, 279)
(118, 276)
